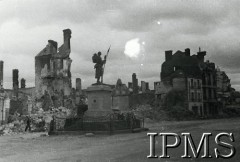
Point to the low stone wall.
(108, 123)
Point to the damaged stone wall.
(19, 105)
(120, 96)
(53, 73)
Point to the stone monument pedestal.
(99, 100)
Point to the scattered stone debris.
(14, 127)
(40, 121)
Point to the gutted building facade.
(224, 89)
(209, 87)
(190, 74)
(52, 71)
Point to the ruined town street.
(115, 148)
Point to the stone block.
(99, 100)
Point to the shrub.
(143, 111)
(180, 113)
(174, 98)
(231, 111)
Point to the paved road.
(115, 148)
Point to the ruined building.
(144, 87)
(209, 86)
(224, 89)
(23, 83)
(139, 95)
(130, 85)
(120, 96)
(52, 71)
(135, 83)
(194, 77)
(133, 86)
(15, 100)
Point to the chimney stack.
(15, 79)
(168, 55)
(201, 55)
(23, 83)
(135, 83)
(143, 86)
(53, 43)
(187, 52)
(78, 84)
(1, 73)
(66, 37)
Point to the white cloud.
(132, 48)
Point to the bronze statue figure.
(98, 65)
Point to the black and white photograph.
(119, 80)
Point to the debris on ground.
(40, 121)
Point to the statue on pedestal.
(99, 63)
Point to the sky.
(139, 32)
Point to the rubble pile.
(15, 127)
(40, 121)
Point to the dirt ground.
(114, 148)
